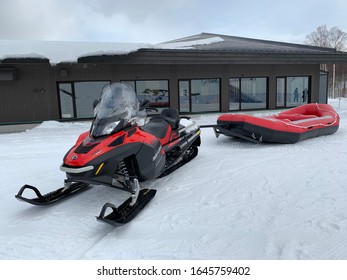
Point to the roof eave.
(151, 56)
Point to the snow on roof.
(58, 51)
(189, 44)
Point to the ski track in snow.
(235, 200)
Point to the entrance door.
(199, 95)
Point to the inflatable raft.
(290, 126)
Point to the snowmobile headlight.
(109, 128)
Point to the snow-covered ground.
(235, 200)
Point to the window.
(234, 94)
(199, 95)
(292, 91)
(247, 93)
(323, 87)
(184, 96)
(281, 92)
(67, 100)
(77, 98)
(156, 91)
(8, 74)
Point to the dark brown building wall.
(34, 97)
(174, 73)
(31, 97)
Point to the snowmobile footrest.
(50, 197)
(125, 213)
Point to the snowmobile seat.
(157, 126)
(172, 116)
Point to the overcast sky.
(155, 21)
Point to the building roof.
(208, 48)
(204, 48)
(240, 44)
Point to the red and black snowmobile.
(122, 149)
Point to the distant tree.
(331, 38)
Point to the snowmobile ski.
(50, 197)
(126, 212)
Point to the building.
(197, 74)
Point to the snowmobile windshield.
(118, 106)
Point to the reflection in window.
(156, 91)
(183, 87)
(281, 92)
(234, 94)
(323, 87)
(86, 93)
(77, 98)
(292, 91)
(247, 93)
(199, 95)
(297, 91)
(253, 93)
(66, 100)
(205, 95)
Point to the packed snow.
(60, 51)
(235, 200)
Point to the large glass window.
(199, 95)
(281, 92)
(86, 93)
(253, 93)
(156, 91)
(184, 96)
(323, 87)
(297, 91)
(292, 91)
(66, 98)
(205, 95)
(247, 93)
(234, 94)
(77, 98)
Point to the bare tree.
(329, 38)
(338, 38)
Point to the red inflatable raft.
(290, 126)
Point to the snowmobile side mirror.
(144, 104)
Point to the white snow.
(235, 200)
(189, 44)
(60, 51)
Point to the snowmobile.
(123, 147)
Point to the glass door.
(281, 92)
(67, 100)
(184, 96)
(199, 95)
